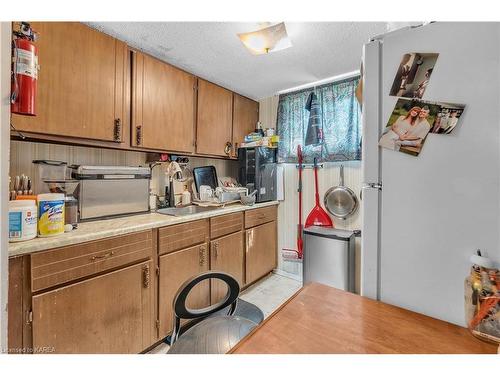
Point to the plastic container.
(49, 170)
(26, 197)
(186, 197)
(71, 211)
(22, 220)
(50, 214)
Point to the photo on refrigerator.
(447, 118)
(413, 75)
(408, 126)
(412, 120)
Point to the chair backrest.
(181, 311)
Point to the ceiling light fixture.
(269, 39)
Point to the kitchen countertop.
(94, 230)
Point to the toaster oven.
(106, 191)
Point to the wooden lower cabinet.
(115, 295)
(105, 314)
(261, 251)
(175, 269)
(16, 314)
(226, 255)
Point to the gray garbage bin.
(329, 257)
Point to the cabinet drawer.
(259, 216)
(226, 224)
(58, 266)
(180, 236)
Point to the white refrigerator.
(422, 217)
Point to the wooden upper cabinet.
(81, 83)
(163, 105)
(214, 125)
(245, 117)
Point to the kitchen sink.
(183, 211)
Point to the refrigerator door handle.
(372, 185)
(369, 185)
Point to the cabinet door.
(260, 251)
(175, 269)
(245, 117)
(163, 105)
(80, 83)
(226, 255)
(106, 314)
(214, 125)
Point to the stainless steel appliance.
(257, 171)
(329, 257)
(109, 191)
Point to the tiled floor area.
(271, 292)
(268, 294)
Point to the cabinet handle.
(138, 135)
(107, 255)
(261, 216)
(216, 249)
(117, 135)
(145, 276)
(247, 240)
(202, 255)
(29, 316)
(227, 148)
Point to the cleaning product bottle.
(50, 214)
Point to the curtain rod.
(339, 77)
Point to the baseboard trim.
(287, 274)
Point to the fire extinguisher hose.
(15, 92)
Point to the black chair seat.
(245, 310)
(213, 335)
(214, 329)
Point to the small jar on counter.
(186, 197)
(71, 211)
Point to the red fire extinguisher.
(24, 71)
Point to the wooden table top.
(322, 319)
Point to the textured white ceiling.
(212, 50)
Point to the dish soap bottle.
(186, 197)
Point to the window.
(340, 122)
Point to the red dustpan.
(318, 215)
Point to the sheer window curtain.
(340, 114)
